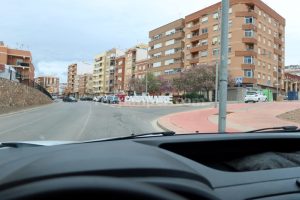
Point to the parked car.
(104, 99)
(86, 99)
(96, 98)
(255, 96)
(69, 99)
(113, 100)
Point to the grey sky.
(61, 32)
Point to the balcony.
(275, 74)
(194, 60)
(278, 52)
(246, 14)
(251, 40)
(247, 80)
(195, 27)
(246, 53)
(199, 37)
(198, 48)
(277, 41)
(248, 66)
(249, 26)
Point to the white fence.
(149, 99)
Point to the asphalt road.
(81, 121)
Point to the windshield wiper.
(134, 136)
(281, 128)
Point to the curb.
(162, 127)
(24, 110)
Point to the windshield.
(85, 69)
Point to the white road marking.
(85, 122)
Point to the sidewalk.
(240, 118)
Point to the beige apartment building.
(166, 56)
(50, 83)
(256, 42)
(132, 56)
(104, 72)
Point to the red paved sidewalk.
(244, 117)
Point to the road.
(81, 121)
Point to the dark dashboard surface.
(183, 164)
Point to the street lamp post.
(224, 67)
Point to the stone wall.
(14, 96)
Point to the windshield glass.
(85, 70)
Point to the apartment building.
(142, 67)
(50, 83)
(83, 87)
(20, 60)
(104, 71)
(120, 74)
(166, 56)
(75, 72)
(133, 55)
(256, 42)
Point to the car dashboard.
(189, 166)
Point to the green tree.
(153, 84)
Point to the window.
(170, 51)
(248, 73)
(157, 55)
(188, 46)
(248, 60)
(259, 38)
(269, 43)
(264, 40)
(170, 32)
(204, 19)
(189, 36)
(270, 20)
(249, 20)
(204, 30)
(258, 75)
(189, 25)
(264, 29)
(263, 77)
(120, 62)
(258, 63)
(157, 64)
(203, 53)
(157, 73)
(259, 12)
(269, 78)
(249, 33)
(170, 42)
(216, 27)
(158, 46)
(230, 23)
(270, 32)
(215, 52)
(204, 42)
(216, 15)
(259, 25)
(229, 35)
(215, 40)
(229, 61)
(259, 51)
(169, 62)
(230, 10)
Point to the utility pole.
(217, 67)
(146, 82)
(224, 67)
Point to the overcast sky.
(62, 32)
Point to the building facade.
(104, 72)
(256, 42)
(133, 55)
(142, 67)
(75, 73)
(120, 74)
(50, 83)
(20, 60)
(166, 45)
